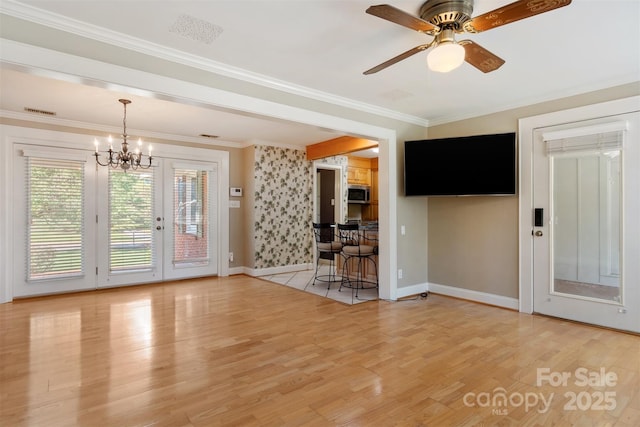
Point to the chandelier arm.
(109, 159)
(141, 166)
(97, 155)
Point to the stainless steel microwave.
(359, 194)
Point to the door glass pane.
(131, 220)
(55, 230)
(191, 207)
(587, 225)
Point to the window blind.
(598, 138)
(55, 225)
(131, 237)
(191, 216)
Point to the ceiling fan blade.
(511, 13)
(398, 58)
(480, 57)
(400, 17)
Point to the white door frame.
(338, 209)
(339, 189)
(526, 128)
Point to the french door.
(160, 223)
(53, 221)
(79, 227)
(585, 227)
(129, 212)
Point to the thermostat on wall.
(235, 192)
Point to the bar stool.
(327, 248)
(355, 245)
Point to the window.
(55, 211)
(131, 237)
(191, 207)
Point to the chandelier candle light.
(124, 159)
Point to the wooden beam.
(338, 146)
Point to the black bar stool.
(327, 248)
(356, 245)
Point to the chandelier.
(124, 158)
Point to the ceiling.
(321, 48)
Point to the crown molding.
(540, 99)
(112, 130)
(93, 32)
(145, 134)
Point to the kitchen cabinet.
(358, 176)
(364, 171)
(359, 171)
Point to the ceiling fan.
(442, 19)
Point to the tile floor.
(303, 280)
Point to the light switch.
(234, 203)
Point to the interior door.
(326, 183)
(585, 228)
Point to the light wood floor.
(242, 351)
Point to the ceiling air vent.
(38, 111)
(196, 29)
(205, 135)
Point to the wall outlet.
(230, 256)
(399, 273)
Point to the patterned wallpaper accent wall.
(283, 207)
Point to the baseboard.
(257, 272)
(411, 290)
(237, 270)
(468, 294)
(452, 291)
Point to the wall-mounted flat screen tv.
(465, 166)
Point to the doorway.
(327, 196)
(328, 190)
(582, 219)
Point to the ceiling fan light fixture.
(445, 57)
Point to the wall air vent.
(38, 111)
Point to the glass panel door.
(53, 211)
(130, 214)
(585, 243)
